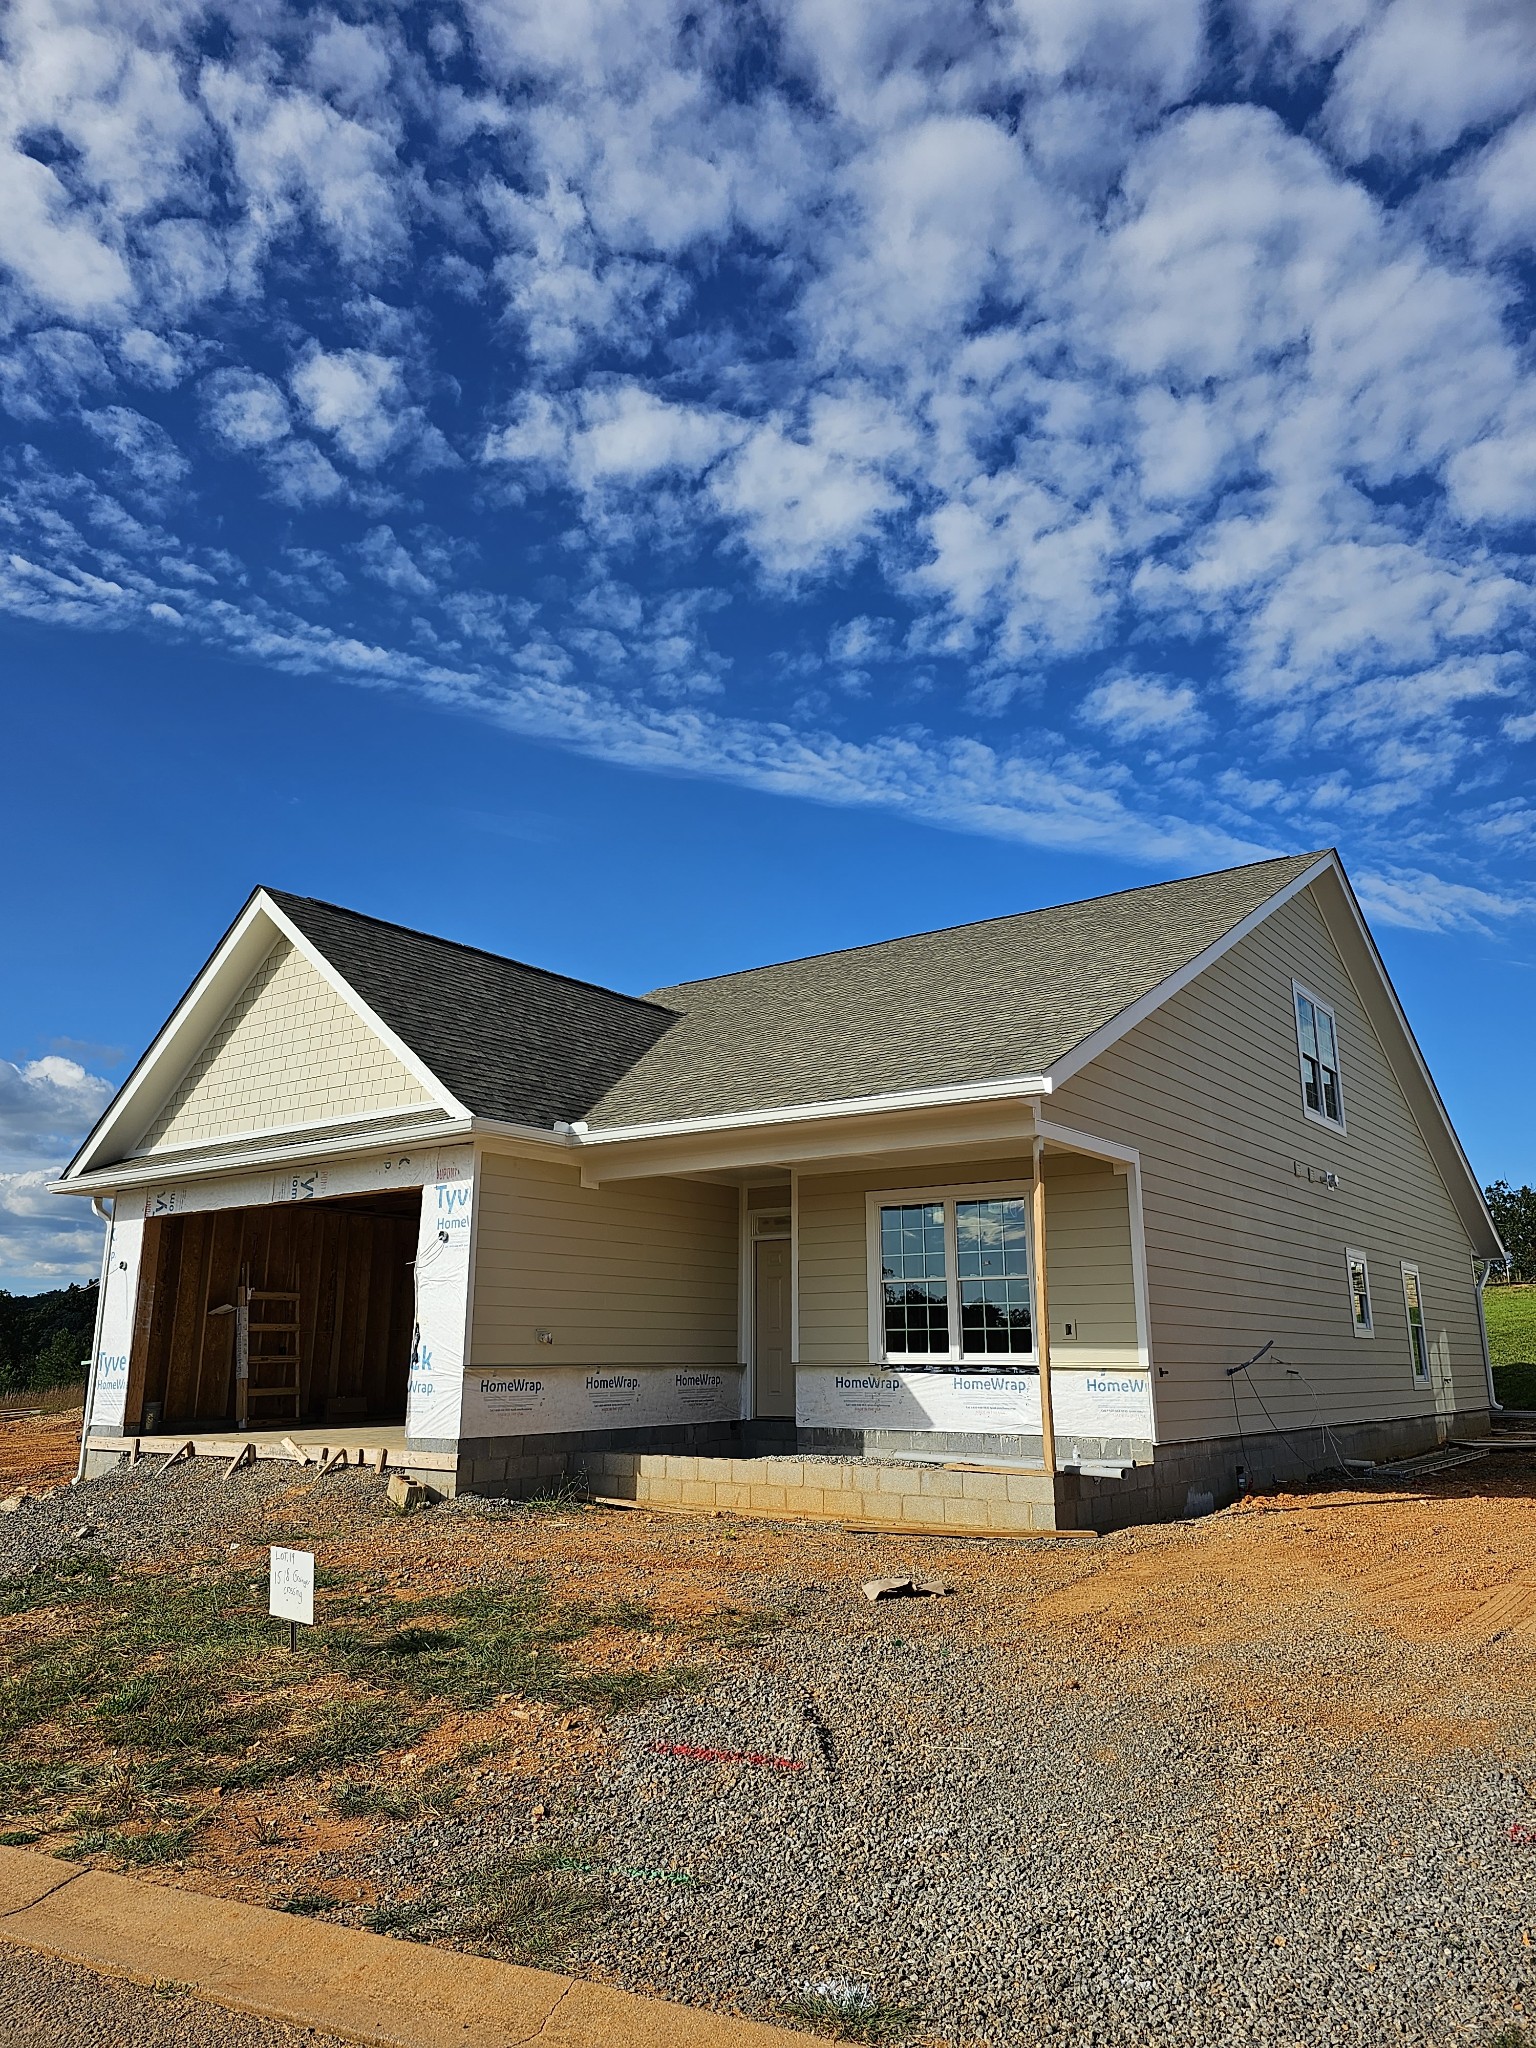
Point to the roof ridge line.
(411, 931)
(975, 923)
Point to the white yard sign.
(292, 1594)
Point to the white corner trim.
(411, 1061)
(805, 1112)
(1098, 1042)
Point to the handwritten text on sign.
(292, 1595)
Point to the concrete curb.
(362, 1987)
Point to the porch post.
(794, 1267)
(1042, 1310)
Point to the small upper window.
(1317, 1039)
(1360, 1294)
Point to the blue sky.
(653, 489)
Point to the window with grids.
(1317, 1040)
(955, 1280)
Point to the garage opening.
(294, 1312)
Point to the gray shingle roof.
(978, 1002)
(510, 1041)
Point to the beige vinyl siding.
(1241, 1247)
(639, 1273)
(1088, 1254)
(1091, 1279)
(290, 1052)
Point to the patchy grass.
(526, 1907)
(308, 1904)
(848, 2012)
(121, 1690)
(468, 1650)
(1511, 1315)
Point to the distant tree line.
(1514, 1213)
(44, 1337)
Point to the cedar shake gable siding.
(290, 1052)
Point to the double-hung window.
(1317, 1042)
(1418, 1335)
(951, 1278)
(1360, 1294)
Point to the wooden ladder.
(267, 1356)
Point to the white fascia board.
(805, 1112)
(234, 960)
(259, 1133)
(1098, 1042)
(497, 1131)
(411, 1061)
(148, 1170)
(1400, 1018)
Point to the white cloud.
(391, 564)
(628, 435)
(46, 1104)
(62, 261)
(1133, 707)
(46, 1108)
(1423, 72)
(1034, 331)
(1426, 902)
(800, 504)
(246, 410)
(356, 396)
(143, 444)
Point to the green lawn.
(1511, 1313)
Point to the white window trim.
(1352, 1257)
(954, 1358)
(1315, 1116)
(1426, 1378)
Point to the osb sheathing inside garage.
(350, 1263)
